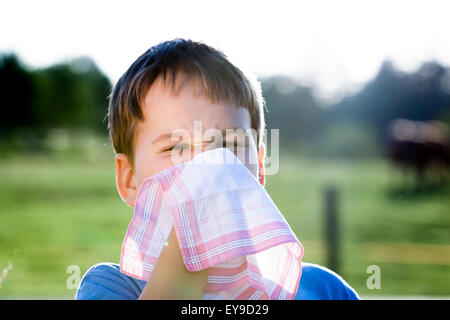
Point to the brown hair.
(221, 81)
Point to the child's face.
(165, 114)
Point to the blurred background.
(359, 90)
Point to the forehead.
(166, 110)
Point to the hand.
(170, 279)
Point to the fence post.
(331, 228)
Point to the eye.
(180, 146)
(234, 146)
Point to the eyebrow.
(162, 137)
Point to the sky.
(335, 46)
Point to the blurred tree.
(71, 95)
(290, 108)
(356, 125)
(67, 95)
(16, 90)
(393, 94)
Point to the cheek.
(252, 164)
(249, 157)
(251, 160)
(149, 166)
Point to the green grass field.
(57, 211)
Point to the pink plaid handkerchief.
(224, 220)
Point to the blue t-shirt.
(104, 281)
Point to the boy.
(173, 86)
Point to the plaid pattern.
(224, 220)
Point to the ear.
(261, 158)
(125, 179)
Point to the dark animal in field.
(420, 147)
